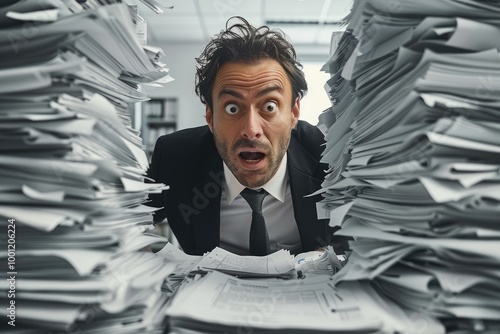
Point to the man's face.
(252, 118)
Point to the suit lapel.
(206, 224)
(301, 170)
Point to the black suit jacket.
(189, 163)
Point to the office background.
(183, 32)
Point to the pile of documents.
(280, 264)
(413, 143)
(219, 303)
(221, 292)
(72, 171)
(277, 264)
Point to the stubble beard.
(229, 156)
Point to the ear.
(209, 117)
(295, 112)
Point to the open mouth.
(251, 156)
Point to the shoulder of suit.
(182, 152)
(190, 133)
(190, 138)
(184, 142)
(309, 136)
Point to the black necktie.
(259, 239)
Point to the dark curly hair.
(242, 42)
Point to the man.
(251, 85)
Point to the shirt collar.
(276, 186)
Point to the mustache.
(247, 143)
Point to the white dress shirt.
(236, 214)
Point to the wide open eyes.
(270, 106)
(232, 109)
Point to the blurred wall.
(180, 58)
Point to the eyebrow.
(228, 91)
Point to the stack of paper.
(207, 300)
(72, 171)
(185, 265)
(277, 264)
(219, 303)
(413, 147)
(280, 264)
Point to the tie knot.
(254, 198)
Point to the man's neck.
(276, 186)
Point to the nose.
(252, 124)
